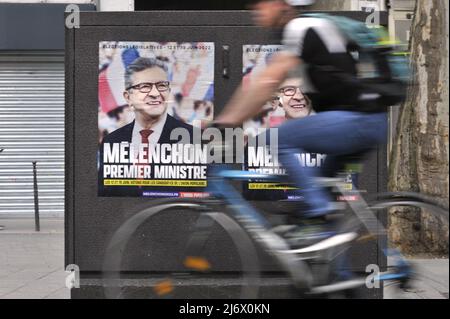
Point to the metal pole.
(36, 199)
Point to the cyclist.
(344, 124)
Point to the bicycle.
(248, 230)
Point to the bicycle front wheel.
(186, 250)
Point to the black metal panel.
(92, 220)
(145, 5)
(69, 196)
(192, 18)
(96, 218)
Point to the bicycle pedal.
(339, 286)
(330, 242)
(367, 237)
(282, 229)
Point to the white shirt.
(295, 31)
(153, 138)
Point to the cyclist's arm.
(246, 104)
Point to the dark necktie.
(144, 140)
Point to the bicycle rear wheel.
(402, 277)
(410, 277)
(185, 254)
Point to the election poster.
(154, 99)
(289, 102)
(254, 59)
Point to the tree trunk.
(419, 160)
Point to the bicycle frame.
(255, 223)
(253, 226)
(258, 226)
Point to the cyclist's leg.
(334, 133)
(329, 166)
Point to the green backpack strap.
(355, 31)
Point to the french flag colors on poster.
(111, 81)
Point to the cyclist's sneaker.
(304, 236)
(307, 232)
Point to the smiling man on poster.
(147, 90)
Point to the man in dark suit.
(147, 91)
(295, 104)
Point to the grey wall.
(37, 26)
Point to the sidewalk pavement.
(431, 281)
(32, 265)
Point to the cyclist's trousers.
(333, 133)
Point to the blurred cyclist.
(343, 123)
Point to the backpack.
(383, 71)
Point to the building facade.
(32, 102)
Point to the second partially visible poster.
(288, 103)
(254, 59)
